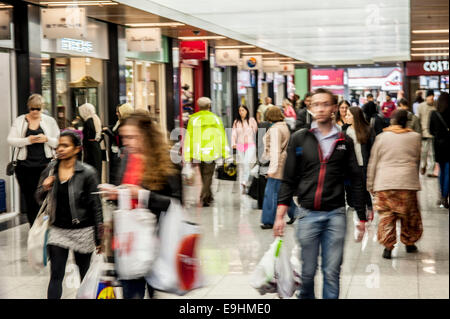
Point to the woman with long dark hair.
(342, 112)
(439, 128)
(363, 138)
(243, 141)
(76, 217)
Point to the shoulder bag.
(11, 167)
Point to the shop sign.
(5, 24)
(227, 57)
(144, 39)
(74, 45)
(427, 68)
(393, 82)
(194, 50)
(252, 62)
(327, 77)
(64, 23)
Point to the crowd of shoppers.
(335, 155)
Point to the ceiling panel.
(320, 32)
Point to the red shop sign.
(194, 50)
(327, 77)
(426, 68)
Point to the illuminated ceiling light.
(430, 54)
(206, 37)
(257, 53)
(293, 62)
(428, 49)
(430, 31)
(235, 46)
(5, 6)
(429, 41)
(155, 25)
(79, 3)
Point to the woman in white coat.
(35, 137)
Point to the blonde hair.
(35, 100)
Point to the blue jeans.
(443, 178)
(325, 229)
(271, 202)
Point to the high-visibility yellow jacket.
(205, 138)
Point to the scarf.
(397, 129)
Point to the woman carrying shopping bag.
(75, 217)
(243, 141)
(146, 165)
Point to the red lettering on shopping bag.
(187, 262)
(124, 244)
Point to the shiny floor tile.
(233, 243)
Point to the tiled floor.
(233, 243)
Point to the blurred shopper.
(76, 218)
(296, 103)
(92, 130)
(204, 143)
(244, 131)
(419, 99)
(290, 117)
(146, 165)
(260, 113)
(115, 142)
(393, 178)
(363, 138)
(304, 117)
(439, 128)
(306, 101)
(342, 113)
(427, 158)
(35, 136)
(387, 109)
(413, 121)
(318, 161)
(369, 106)
(374, 118)
(275, 144)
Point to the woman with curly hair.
(146, 164)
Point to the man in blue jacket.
(318, 162)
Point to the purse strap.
(442, 120)
(43, 209)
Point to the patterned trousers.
(393, 205)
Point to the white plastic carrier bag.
(37, 238)
(135, 243)
(177, 268)
(274, 273)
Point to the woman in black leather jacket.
(75, 217)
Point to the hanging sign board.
(252, 62)
(393, 82)
(5, 24)
(144, 39)
(64, 23)
(227, 57)
(194, 50)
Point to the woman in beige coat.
(393, 179)
(275, 145)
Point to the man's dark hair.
(403, 102)
(400, 117)
(325, 91)
(370, 96)
(430, 93)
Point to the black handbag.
(253, 189)
(11, 167)
(227, 172)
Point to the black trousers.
(58, 259)
(28, 178)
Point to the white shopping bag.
(177, 268)
(274, 272)
(89, 286)
(135, 243)
(37, 238)
(296, 266)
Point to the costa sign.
(194, 50)
(427, 68)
